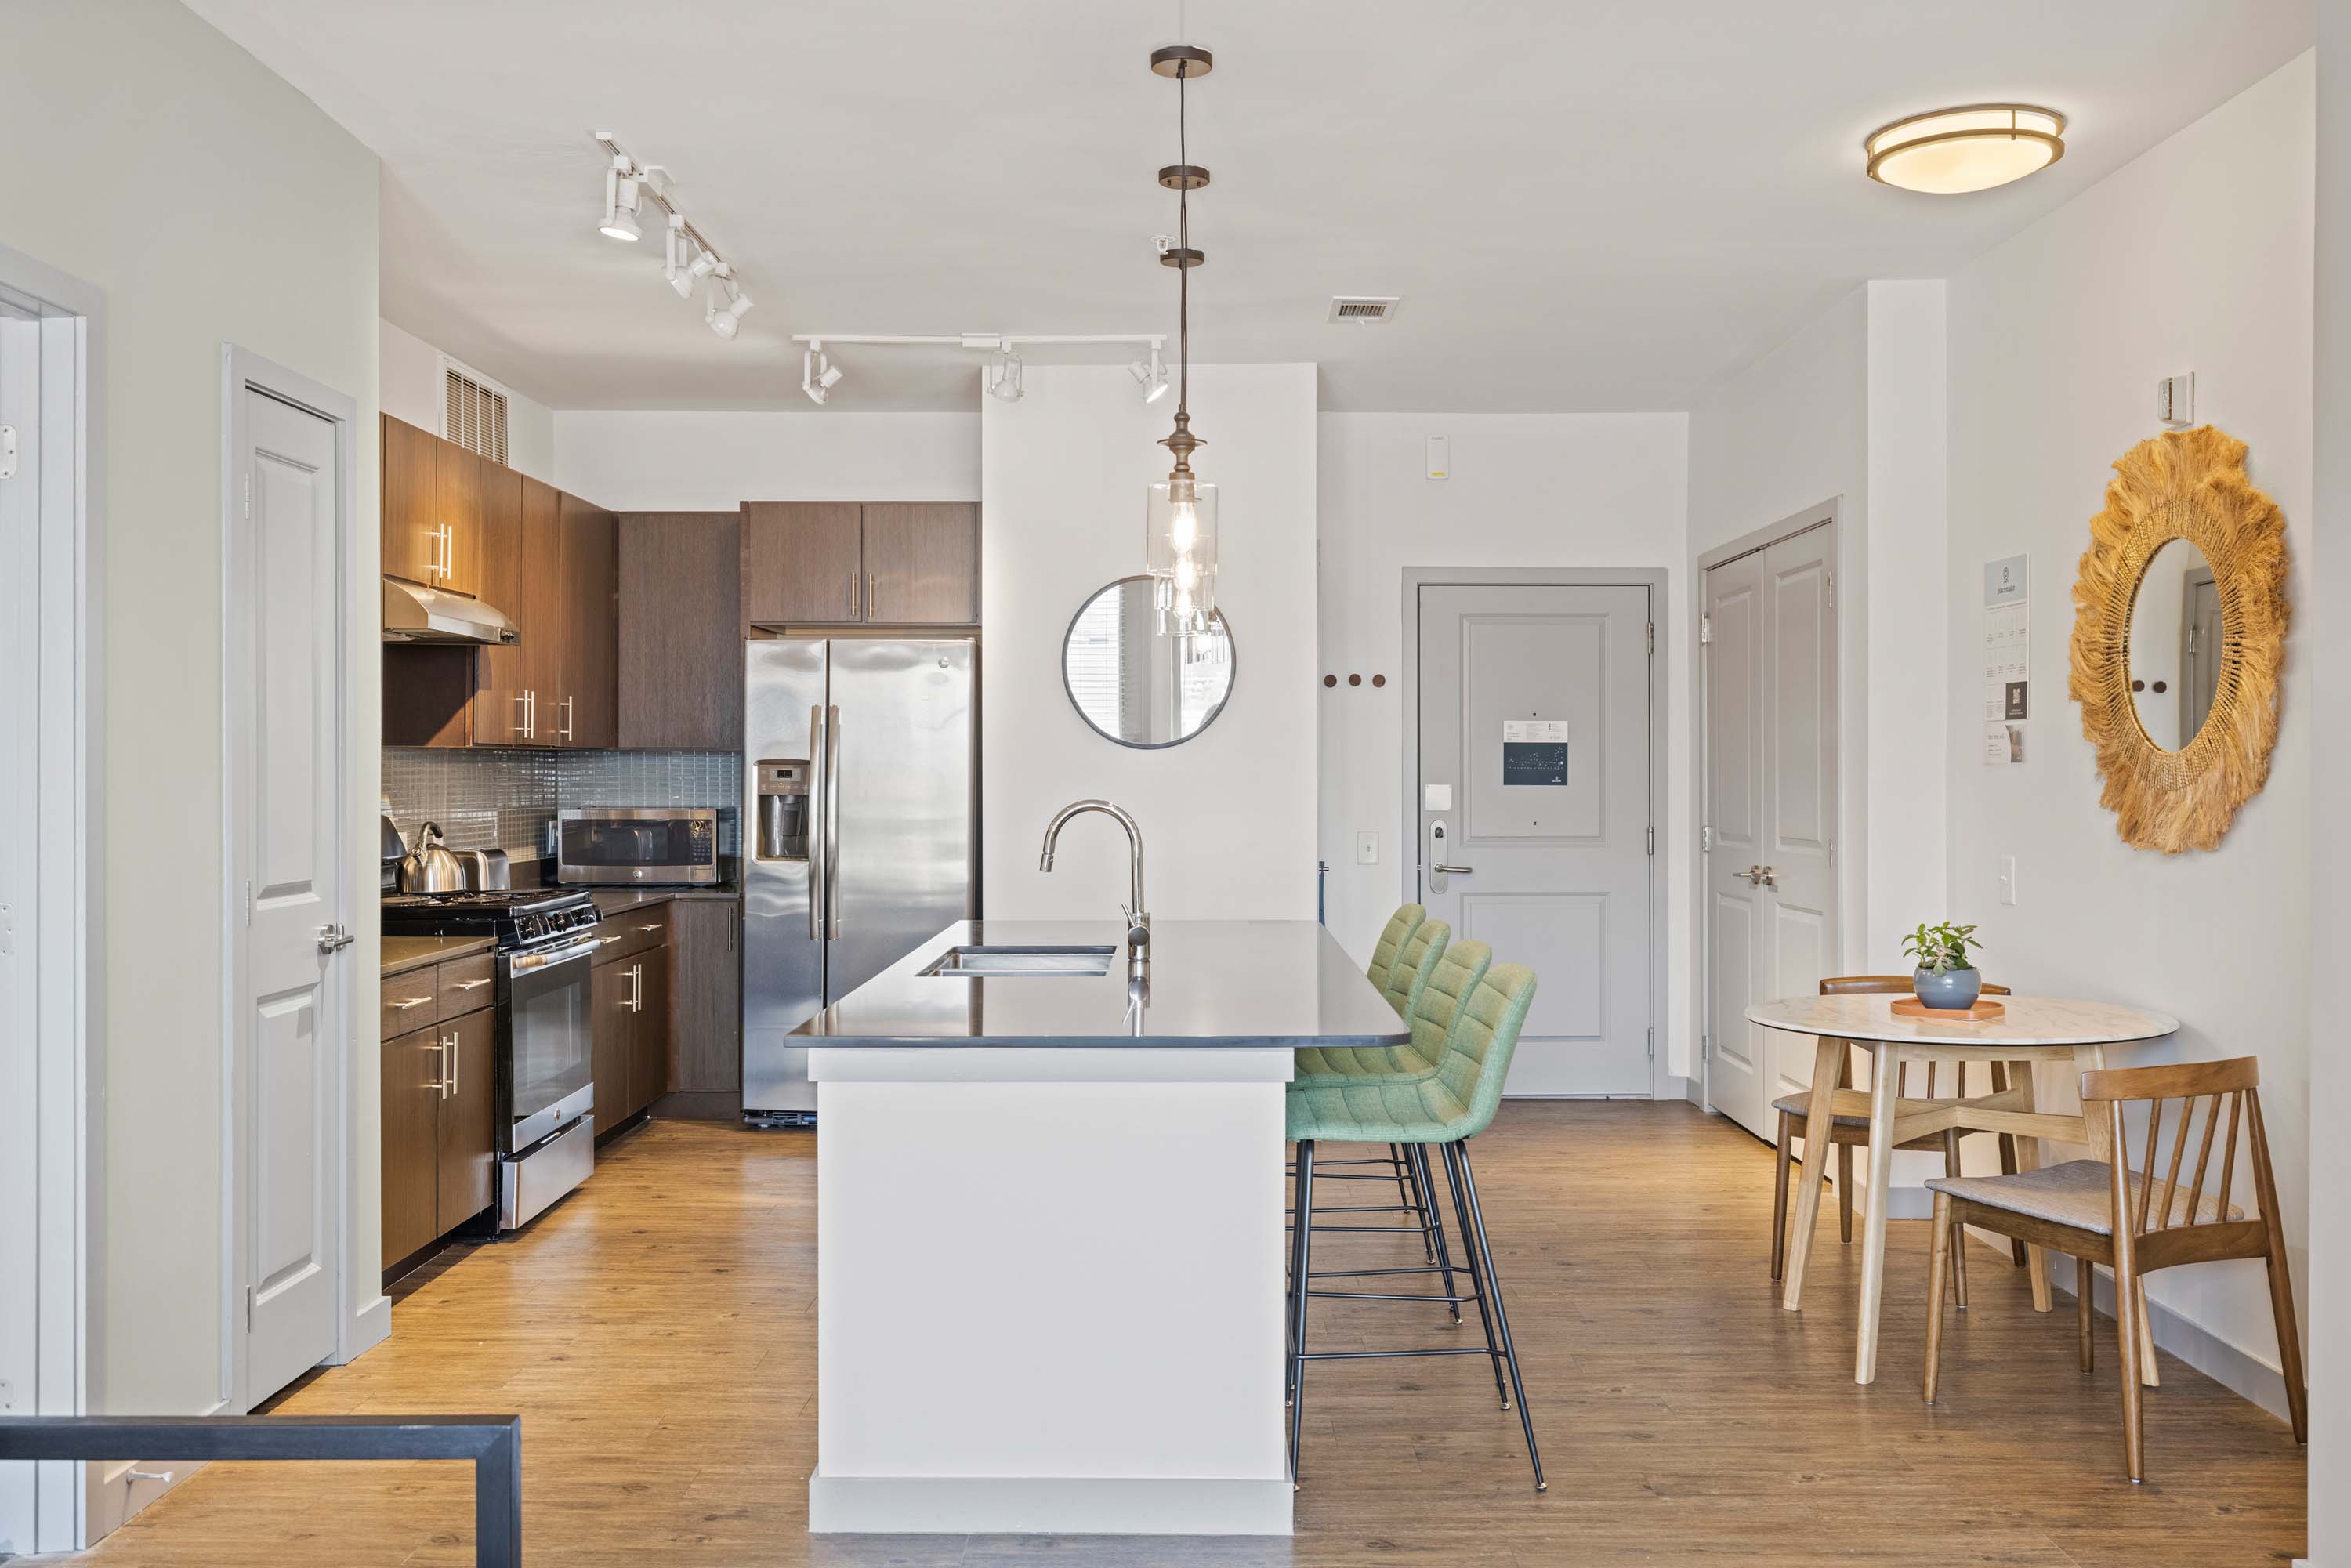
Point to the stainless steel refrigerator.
(860, 778)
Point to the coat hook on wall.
(1354, 680)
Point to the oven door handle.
(546, 957)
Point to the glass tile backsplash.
(507, 799)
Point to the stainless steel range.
(546, 944)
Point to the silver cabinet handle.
(636, 987)
(653, 927)
(565, 732)
(608, 941)
(411, 1002)
(469, 984)
(534, 713)
(522, 700)
(873, 600)
(450, 1059)
(853, 595)
(816, 826)
(441, 1073)
(1456, 870)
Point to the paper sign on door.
(1534, 751)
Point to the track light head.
(818, 375)
(621, 200)
(1151, 377)
(1004, 378)
(726, 319)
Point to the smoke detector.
(1367, 309)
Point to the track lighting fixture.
(819, 376)
(621, 185)
(1153, 376)
(687, 256)
(1004, 377)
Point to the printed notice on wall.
(2007, 658)
(1534, 751)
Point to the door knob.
(1757, 876)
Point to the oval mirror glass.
(1135, 685)
(2175, 644)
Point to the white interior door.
(1535, 736)
(20, 1143)
(1770, 809)
(286, 809)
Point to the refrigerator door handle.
(832, 822)
(817, 868)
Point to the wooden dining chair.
(2103, 1212)
(1850, 1131)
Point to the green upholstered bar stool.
(1451, 983)
(1409, 949)
(1446, 1107)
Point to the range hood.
(415, 615)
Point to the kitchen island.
(1050, 1225)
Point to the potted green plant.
(1947, 977)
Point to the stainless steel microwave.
(625, 844)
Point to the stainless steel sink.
(982, 961)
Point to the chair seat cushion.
(2077, 1193)
(1351, 1110)
(1363, 1065)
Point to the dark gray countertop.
(1213, 983)
(611, 900)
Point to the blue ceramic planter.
(1955, 990)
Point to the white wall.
(1525, 490)
(268, 241)
(2197, 255)
(1227, 817)
(2327, 546)
(665, 460)
(412, 388)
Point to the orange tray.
(1984, 1007)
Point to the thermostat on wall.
(1440, 455)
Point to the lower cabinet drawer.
(466, 984)
(410, 1001)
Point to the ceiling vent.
(473, 411)
(1364, 308)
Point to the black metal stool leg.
(1298, 1296)
(1459, 1153)
(1440, 1255)
(1476, 1276)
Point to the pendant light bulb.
(620, 201)
(1184, 526)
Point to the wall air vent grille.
(474, 412)
(1367, 309)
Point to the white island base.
(1049, 1290)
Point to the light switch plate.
(2008, 879)
(1440, 456)
(1438, 798)
(1367, 848)
(2175, 399)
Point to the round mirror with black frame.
(1139, 686)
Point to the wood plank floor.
(656, 1332)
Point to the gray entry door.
(1770, 640)
(1534, 787)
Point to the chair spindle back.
(2209, 1086)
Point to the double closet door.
(1770, 852)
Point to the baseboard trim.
(114, 1498)
(1062, 1505)
(1680, 1087)
(699, 1105)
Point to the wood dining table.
(2031, 1029)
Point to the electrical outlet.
(2008, 879)
(1367, 848)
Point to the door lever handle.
(1456, 870)
(1759, 876)
(334, 938)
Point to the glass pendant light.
(1180, 511)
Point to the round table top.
(2030, 1021)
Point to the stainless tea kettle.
(430, 867)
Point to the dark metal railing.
(494, 1444)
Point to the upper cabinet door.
(681, 634)
(501, 708)
(459, 497)
(411, 544)
(538, 614)
(922, 563)
(802, 563)
(585, 708)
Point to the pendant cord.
(1183, 242)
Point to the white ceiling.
(1586, 205)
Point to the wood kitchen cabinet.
(585, 707)
(648, 1062)
(460, 497)
(438, 1113)
(501, 710)
(881, 563)
(628, 1012)
(706, 996)
(411, 543)
(922, 563)
(681, 646)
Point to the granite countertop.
(1238, 983)
(401, 953)
(612, 900)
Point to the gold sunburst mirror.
(2179, 622)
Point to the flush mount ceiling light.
(687, 255)
(1974, 148)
